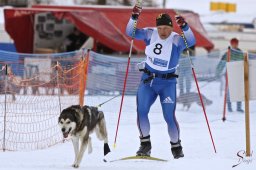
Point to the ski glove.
(136, 12)
(180, 21)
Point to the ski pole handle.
(139, 4)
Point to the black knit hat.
(163, 19)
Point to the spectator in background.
(236, 54)
(75, 40)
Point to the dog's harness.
(92, 120)
(154, 75)
(79, 127)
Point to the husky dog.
(191, 97)
(78, 123)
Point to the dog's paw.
(75, 165)
(89, 145)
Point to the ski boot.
(177, 150)
(145, 147)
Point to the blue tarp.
(7, 47)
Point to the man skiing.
(163, 48)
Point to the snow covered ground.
(229, 138)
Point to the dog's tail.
(106, 149)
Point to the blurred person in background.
(236, 54)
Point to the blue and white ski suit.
(162, 57)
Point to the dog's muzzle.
(65, 134)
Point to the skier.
(163, 48)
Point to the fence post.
(83, 70)
(246, 100)
(87, 61)
(226, 85)
(5, 105)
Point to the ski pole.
(126, 73)
(199, 93)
